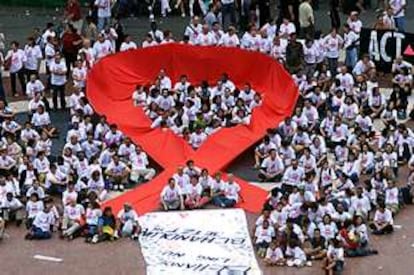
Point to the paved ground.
(124, 257)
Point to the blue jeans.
(222, 201)
(351, 57)
(400, 23)
(39, 234)
(102, 23)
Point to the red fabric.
(111, 83)
(409, 51)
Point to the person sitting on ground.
(106, 227)
(383, 221)
(73, 220)
(172, 196)
(335, 258)
(12, 209)
(228, 195)
(42, 224)
(274, 255)
(127, 222)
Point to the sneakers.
(121, 187)
(309, 263)
(135, 237)
(95, 239)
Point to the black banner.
(384, 46)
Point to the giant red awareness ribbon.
(112, 81)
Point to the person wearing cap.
(127, 222)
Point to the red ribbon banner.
(112, 81)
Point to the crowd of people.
(194, 112)
(336, 175)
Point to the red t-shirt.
(74, 10)
(67, 42)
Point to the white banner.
(197, 242)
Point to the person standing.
(350, 44)
(289, 9)
(104, 13)
(334, 14)
(398, 7)
(58, 80)
(294, 55)
(71, 43)
(306, 20)
(333, 44)
(33, 57)
(73, 14)
(15, 59)
(228, 13)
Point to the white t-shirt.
(333, 45)
(228, 40)
(231, 191)
(33, 55)
(170, 194)
(74, 212)
(58, 79)
(33, 208)
(44, 220)
(18, 58)
(34, 87)
(128, 46)
(264, 235)
(396, 6)
(104, 8)
(79, 77)
(383, 218)
(102, 49)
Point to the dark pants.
(2, 93)
(13, 78)
(333, 66)
(307, 32)
(386, 230)
(70, 59)
(228, 15)
(38, 234)
(58, 90)
(29, 73)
